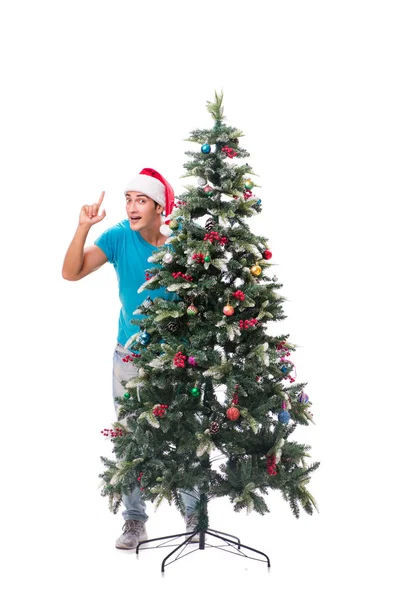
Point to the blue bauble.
(259, 202)
(206, 148)
(144, 338)
(284, 417)
(284, 369)
(303, 398)
(147, 302)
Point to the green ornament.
(127, 395)
(207, 258)
(173, 224)
(195, 392)
(248, 184)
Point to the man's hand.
(89, 213)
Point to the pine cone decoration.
(172, 326)
(214, 427)
(210, 225)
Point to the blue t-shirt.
(128, 251)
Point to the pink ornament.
(228, 310)
(192, 361)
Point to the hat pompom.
(165, 230)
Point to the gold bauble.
(256, 270)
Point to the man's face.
(142, 212)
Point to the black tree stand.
(232, 543)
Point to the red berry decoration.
(230, 152)
(212, 236)
(198, 257)
(239, 295)
(271, 465)
(267, 254)
(233, 413)
(112, 432)
(159, 410)
(183, 275)
(245, 324)
(179, 359)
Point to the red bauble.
(228, 310)
(267, 254)
(233, 413)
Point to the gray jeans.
(135, 507)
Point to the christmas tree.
(215, 403)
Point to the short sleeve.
(110, 242)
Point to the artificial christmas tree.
(215, 402)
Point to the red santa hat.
(154, 185)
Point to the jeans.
(135, 507)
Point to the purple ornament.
(192, 361)
(303, 398)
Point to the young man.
(127, 246)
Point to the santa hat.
(154, 185)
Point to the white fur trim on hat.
(149, 186)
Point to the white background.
(92, 92)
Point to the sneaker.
(133, 533)
(192, 524)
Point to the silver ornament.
(201, 182)
(168, 258)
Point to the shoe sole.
(122, 547)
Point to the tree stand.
(232, 543)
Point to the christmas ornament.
(207, 258)
(228, 310)
(174, 224)
(192, 310)
(208, 190)
(144, 338)
(284, 417)
(172, 326)
(248, 184)
(168, 258)
(214, 427)
(147, 302)
(195, 392)
(206, 148)
(303, 398)
(201, 182)
(127, 395)
(192, 361)
(259, 202)
(256, 270)
(233, 413)
(267, 254)
(210, 225)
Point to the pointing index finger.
(100, 199)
